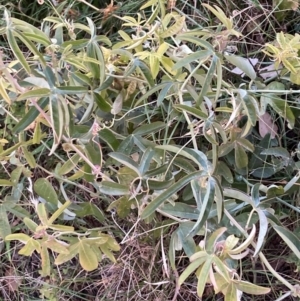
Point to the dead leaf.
(268, 72)
(12, 280)
(109, 10)
(267, 126)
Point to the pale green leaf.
(46, 267)
(5, 229)
(290, 239)
(250, 288)
(87, 257)
(169, 192)
(203, 276)
(113, 188)
(243, 64)
(191, 268)
(263, 228)
(44, 189)
(73, 251)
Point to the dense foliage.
(158, 132)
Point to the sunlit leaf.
(250, 288)
(46, 268)
(87, 257)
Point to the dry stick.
(177, 287)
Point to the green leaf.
(87, 257)
(187, 242)
(57, 120)
(44, 189)
(147, 129)
(18, 236)
(102, 103)
(108, 253)
(206, 206)
(255, 194)
(189, 36)
(126, 145)
(89, 208)
(4, 182)
(112, 188)
(276, 151)
(209, 76)
(172, 251)
(30, 116)
(42, 214)
(238, 195)
(146, 160)
(243, 64)
(125, 160)
(250, 288)
(145, 71)
(5, 229)
(169, 192)
(224, 171)
(109, 137)
(16, 50)
(163, 93)
(263, 228)
(222, 268)
(29, 157)
(69, 165)
(191, 58)
(203, 276)
(195, 155)
(94, 67)
(151, 92)
(36, 93)
(212, 240)
(181, 210)
(56, 246)
(250, 106)
(283, 109)
(46, 267)
(39, 38)
(193, 111)
(241, 158)
(246, 144)
(31, 47)
(31, 246)
(290, 239)
(191, 268)
(73, 251)
(219, 199)
(31, 225)
(93, 152)
(231, 293)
